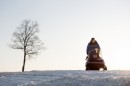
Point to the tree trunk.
(24, 59)
(24, 62)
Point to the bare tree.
(25, 38)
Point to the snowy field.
(66, 78)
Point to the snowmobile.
(94, 61)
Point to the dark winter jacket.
(91, 47)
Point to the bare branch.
(26, 37)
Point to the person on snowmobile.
(92, 45)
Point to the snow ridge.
(66, 78)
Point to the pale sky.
(66, 27)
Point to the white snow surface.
(65, 78)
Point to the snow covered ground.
(66, 78)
